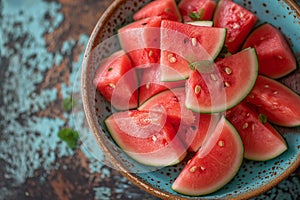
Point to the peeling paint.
(102, 193)
(28, 58)
(25, 49)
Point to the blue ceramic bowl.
(253, 178)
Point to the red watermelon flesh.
(261, 141)
(280, 104)
(274, 54)
(147, 137)
(141, 41)
(150, 83)
(185, 41)
(170, 102)
(116, 80)
(195, 10)
(191, 127)
(194, 135)
(220, 86)
(173, 67)
(214, 165)
(237, 20)
(166, 9)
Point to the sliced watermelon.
(194, 10)
(221, 86)
(191, 127)
(188, 43)
(195, 134)
(116, 80)
(274, 54)
(173, 67)
(147, 137)
(261, 141)
(214, 165)
(141, 41)
(237, 20)
(150, 83)
(166, 9)
(280, 104)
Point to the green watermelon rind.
(235, 170)
(173, 77)
(246, 91)
(255, 65)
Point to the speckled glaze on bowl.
(253, 178)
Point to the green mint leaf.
(197, 15)
(69, 136)
(68, 104)
(224, 52)
(194, 16)
(262, 118)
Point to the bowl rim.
(107, 152)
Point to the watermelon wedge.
(261, 141)
(195, 10)
(280, 104)
(116, 80)
(195, 134)
(166, 9)
(150, 83)
(192, 128)
(183, 44)
(173, 67)
(170, 102)
(237, 20)
(214, 165)
(147, 137)
(274, 54)
(215, 88)
(141, 41)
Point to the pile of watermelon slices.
(183, 85)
